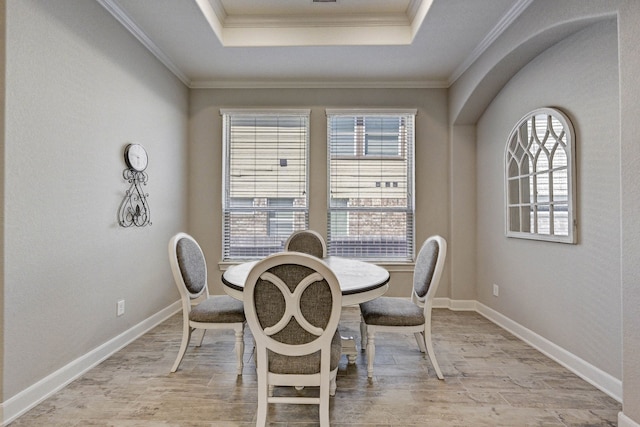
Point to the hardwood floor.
(491, 379)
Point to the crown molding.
(280, 21)
(113, 7)
(504, 23)
(413, 8)
(314, 30)
(295, 21)
(266, 84)
(116, 10)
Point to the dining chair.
(293, 303)
(308, 242)
(199, 309)
(390, 314)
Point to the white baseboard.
(455, 305)
(624, 421)
(595, 376)
(31, 396)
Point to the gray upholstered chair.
(199, 309)
(389, 314)
(308, 242)
(293, 303)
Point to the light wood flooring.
(491, 379)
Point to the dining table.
(360, 281)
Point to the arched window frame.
(539, 185)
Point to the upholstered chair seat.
(390, 311)
(218, 309)
(305, 365)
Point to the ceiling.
(300, 43)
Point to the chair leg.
(254, 353)
(420, 340)
(323, 409)
(332, 383)
(186, 336)
(204, 331)
(371, 352)
(263, 397)
(261, 416)
(363, 334)
(240, 349)
(431, 352)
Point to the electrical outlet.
(496, 290)
(120, 309)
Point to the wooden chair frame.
(190, 300)
(421, 332)
(325, 379)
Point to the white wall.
(79, 88)
(569, 294)
(432, 164)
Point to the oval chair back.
(428, 269)
(308, 242)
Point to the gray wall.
(432, 159)
(79, 88)
(570, 294)
(542, 25)
(2, 169)
(628, 36)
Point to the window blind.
(265, 195)
(371, 176)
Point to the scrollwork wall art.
(134, 209)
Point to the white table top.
(360, 281)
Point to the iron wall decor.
(134, 209)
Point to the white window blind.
(371, 178)
(265, 194)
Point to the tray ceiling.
(299, 43)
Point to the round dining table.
(360, 281)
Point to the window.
(370, 168)
(540, 178)
(265, 196)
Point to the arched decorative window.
(540, 178)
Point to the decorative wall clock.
(136, 158)
(134, 209)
